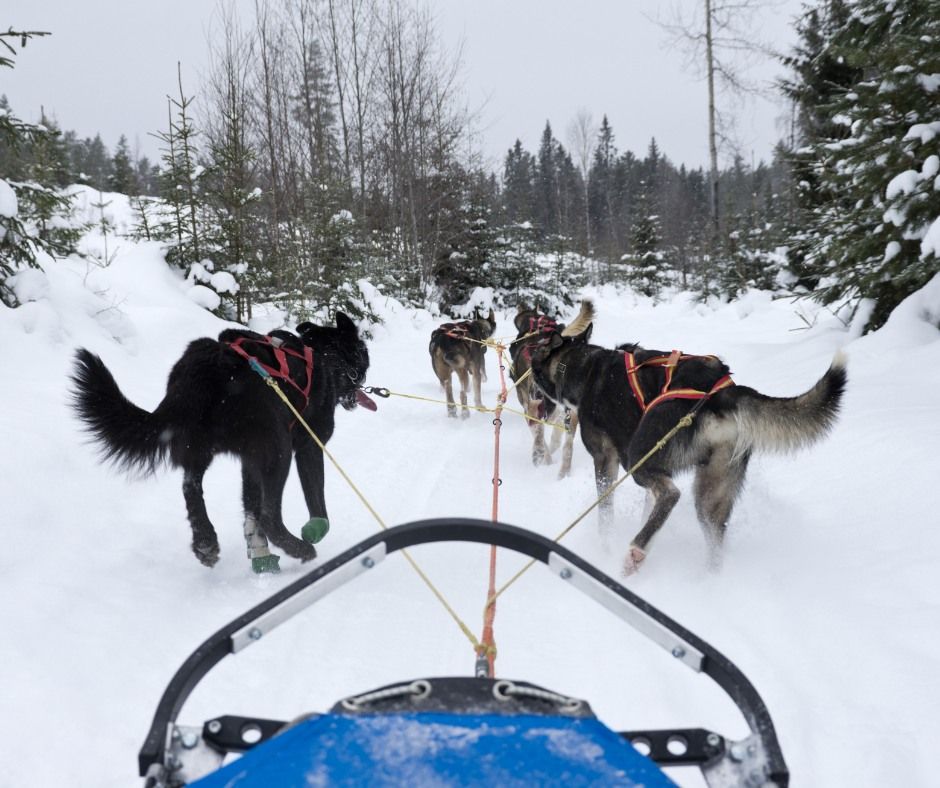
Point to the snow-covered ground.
(828, 599)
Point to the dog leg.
(309, 460)
(205, 542)
(477, 395)
(605, 473)
(262, 559)
(568, 448)
(718, 481)
(272, 491)
(449, 392)
(540, 453)
(464, 378)
(665, 497)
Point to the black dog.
(533, 325)
(629, 398)
(457, 348)
(216, 403)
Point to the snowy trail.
(828, 599)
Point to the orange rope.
(487, 648)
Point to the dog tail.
(131, 437)
(581, 321)
(784, 424)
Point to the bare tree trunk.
(340, 72)
(712, 132)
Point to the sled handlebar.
(362, 557)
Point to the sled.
(469, 730)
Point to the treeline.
(330, 143)
(61, 158)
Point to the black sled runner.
(453, 731)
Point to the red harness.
(456, 330)
(541, 325)
(282, 372)
(670, 362)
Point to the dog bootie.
(315, 529)
(265, 564)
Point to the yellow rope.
(684, 422)
(478, 408)
(463, 627)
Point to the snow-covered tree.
(879, 239)
(31, 208)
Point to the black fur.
(214, 404)
(730, 425)
(465, 357)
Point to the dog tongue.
(365, 400)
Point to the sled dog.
(216, 403)
(629, 398)
(456, 348)
(532, 324)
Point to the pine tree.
(123, 178)
(546, 185)
(870, 241)
(646, 263)
(604, 194)
(518, 176)
(819, 74)
(31, 210)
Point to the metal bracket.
(682, 650)
(254, 631)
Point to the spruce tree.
(31, 210)
(871, 242)
(818, 74)
(123, 177)
(646, 264)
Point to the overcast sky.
(109, 64)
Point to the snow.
(8, 202)
(903, 183)
(828, 599)
(929, 82)
(925, 132)
(931, 240)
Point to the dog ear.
(346, 325)
(556, 341)
(304, 328)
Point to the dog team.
(627, 402)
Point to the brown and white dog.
(457, 348)
(533, 324)
(629, 398)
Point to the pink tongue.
(365, 400)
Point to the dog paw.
(302, 551)
(635, 557)
(465, 414)
(206, 552)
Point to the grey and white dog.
(629, 398)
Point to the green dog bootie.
(315, 529)
(265, 563)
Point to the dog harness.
(280, 352)
(456, 330)
(670, 362)
(537, 325)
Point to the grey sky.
(110, 63)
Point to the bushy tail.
(129, 436)
(783, 424)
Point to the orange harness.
(456, 330)
(670, 362)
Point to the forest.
(331, 144)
